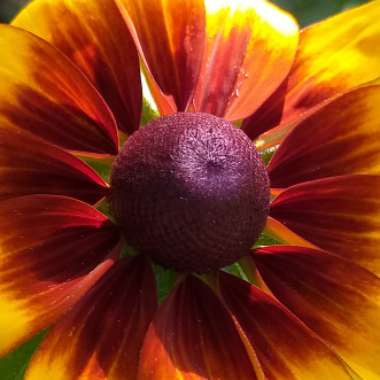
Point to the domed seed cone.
(190, 191)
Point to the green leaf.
(148, 113)
(165, 279)
(13, 366)
(236, 270)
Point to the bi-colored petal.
(52, 250)
(28, 165)
(339, 214)
(343, 137)
(285, 348)
(337, 299)
(102, 337)
(43, 92)
(214, 56)
(334, 56)
(193, 338)
(170, 37)
(93, 35)
(267, 116)
(283, 234)
(249, 50)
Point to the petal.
(283, 234)
(93, 35)
(192, 337)
(101, 338)
(28, 165)
(334, 56)
(249, 50)
(43, 92)
(232, 56)
(52, 250)
(337, 299)
(170, 38)
(285, 347)
(339, 214)
(267, 116)
(343, 137)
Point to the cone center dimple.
(190, 191)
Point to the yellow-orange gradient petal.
(52, 250)
(93, 34)
(334, 55)
(249, 49)
(170, 38)
(193, 338)
(43, 92)
(343, 137)
(339, 300)
(102, 337)
(28, 165)
(339, 214)
(285, 347)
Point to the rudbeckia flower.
(236, 85)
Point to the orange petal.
(343, 137)
(93, 35)
(28, 165)
(334, 55)
(102, 337)
(249, 50)
(285, 347)
(170, 38)
(52, 250)
(339, 214)
(193, 338)
(43, 92)
(337, 299)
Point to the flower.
(307, 308)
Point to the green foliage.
(148, 113)
(310, 11)
(13, 366)
(236, 270)
(165, 281)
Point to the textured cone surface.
(190, 191)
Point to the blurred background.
(8, 8)
(310, 11)
(307, 11)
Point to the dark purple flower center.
(191, 191)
